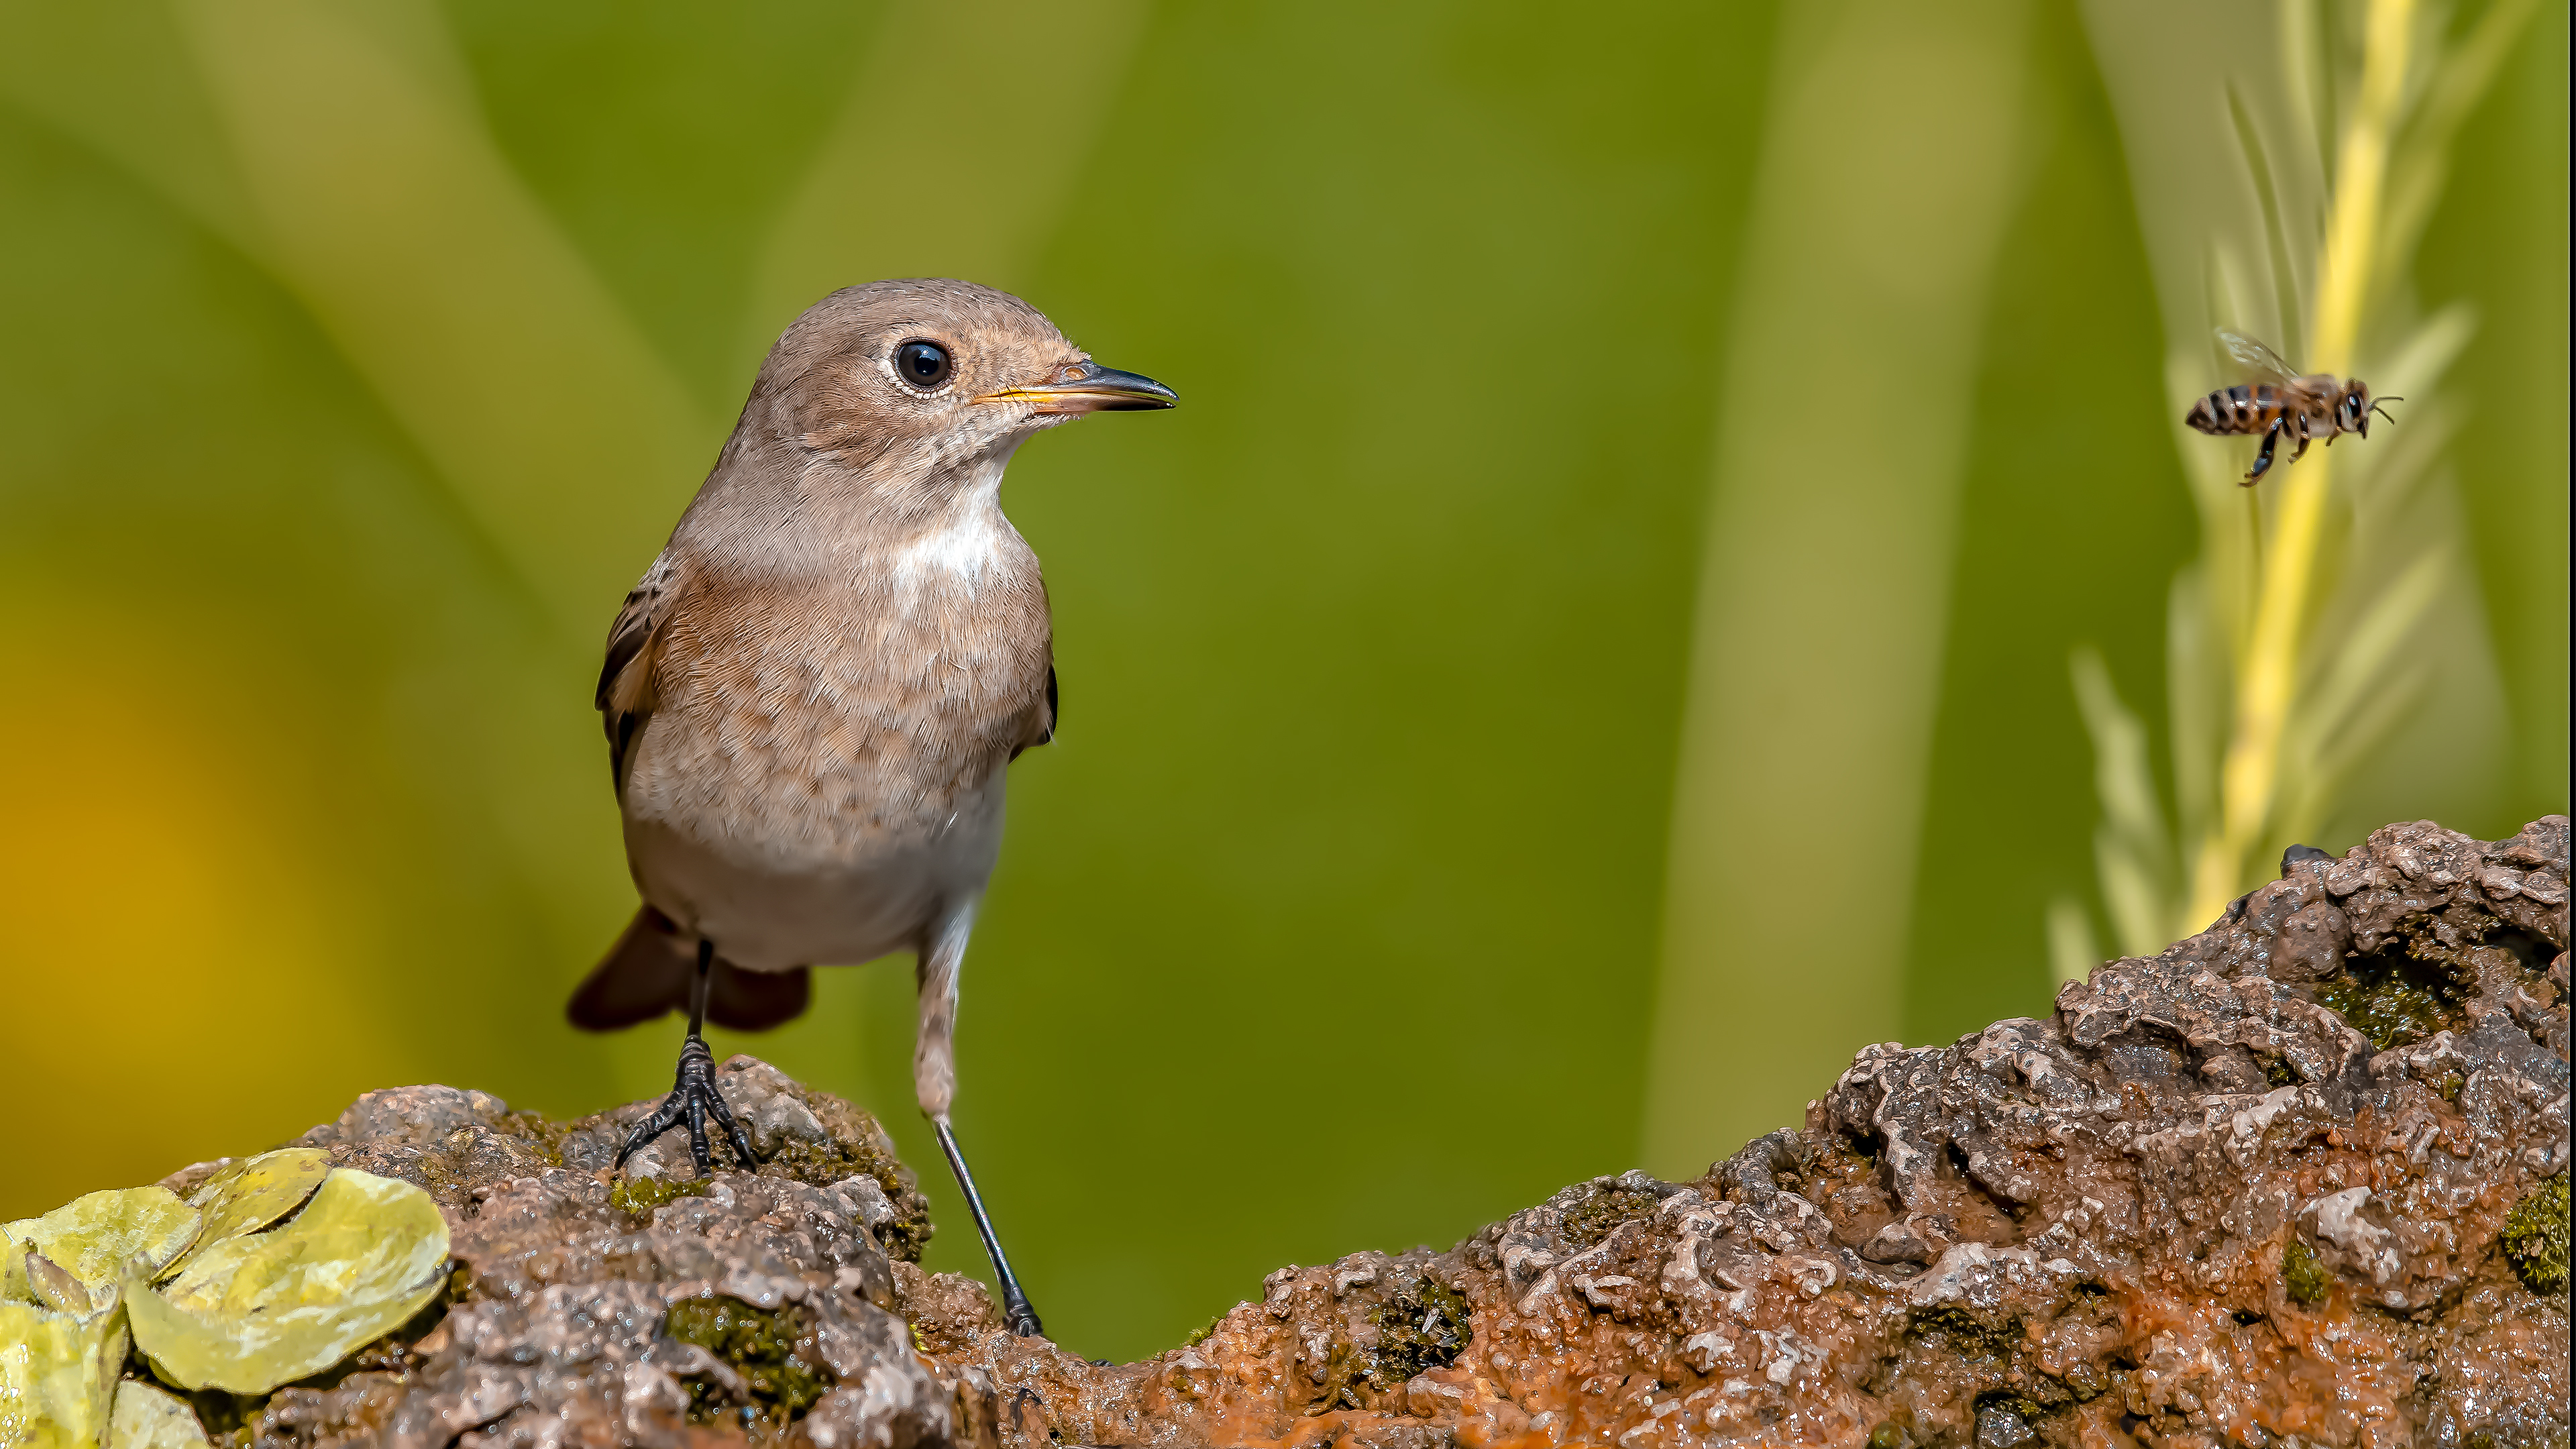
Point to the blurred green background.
(1589, 652)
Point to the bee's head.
(2353, 409)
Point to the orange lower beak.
(1091, 388)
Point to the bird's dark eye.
(923, 364)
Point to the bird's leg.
(2263, 458)
(934, 1081)
(1016, 1309)
(693, 1092)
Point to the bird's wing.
(1039, 728)
(1041, 724)
(625, 696)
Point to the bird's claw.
(694, 1098)
(1018, 1313)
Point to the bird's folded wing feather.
(1041, 722)
(625, 696)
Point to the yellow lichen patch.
(251, 1194)
(92, 1237)
(57, 1375)
(264, 1309)
(150, 1418)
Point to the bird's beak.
(1088, 387)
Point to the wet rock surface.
(648, 1308)
(2298, 1179)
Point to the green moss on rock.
(2395, 997)
(2004, 1420)
(638, 1197)
(1424, 1327)
(543, 1133)
(2535, 1239)
(822, 1164)
(2013, 1401)
(1965, 1334)
(2303, 1274)
(1602, 1211)
(853, 1144)
(773, 1351)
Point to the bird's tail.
(647, 973)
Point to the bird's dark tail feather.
(647, 973)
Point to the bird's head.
(913, 378)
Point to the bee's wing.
(2258, 360)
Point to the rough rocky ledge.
(2299, 1179)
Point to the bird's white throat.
(971, 541)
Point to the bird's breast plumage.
(849, 717)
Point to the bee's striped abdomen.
(2237, 409)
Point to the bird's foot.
(693, 1099)
(1022, 1318)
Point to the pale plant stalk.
(2278, 692)
(2268, 670)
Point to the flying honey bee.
(2278, 402)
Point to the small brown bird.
(813, 695)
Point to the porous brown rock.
(2249, 1191)
(557, 1328)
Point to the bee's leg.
(2304, 439)
(2263, 458)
